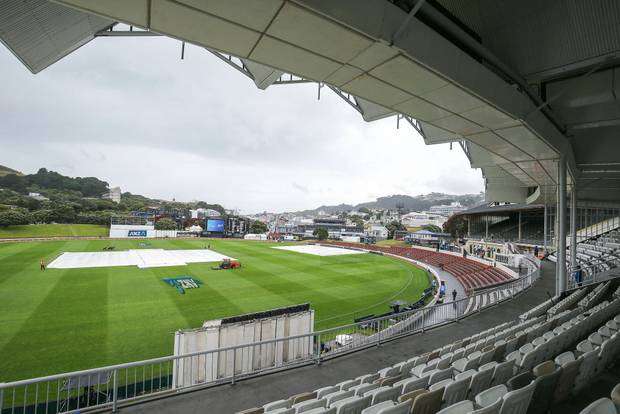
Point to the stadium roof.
(457, 71)
(502, 208)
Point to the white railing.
(110, 386)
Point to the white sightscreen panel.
(281, 332)
(267, 351)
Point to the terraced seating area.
(597, 254)
(470, 273)
(523, 367)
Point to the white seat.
(585, 346)
(351, 405)
(389, 407)
(465, 374)
(462, 407)
(337, 396)
(362, 388)
(440, 384)
(464, 364)
(282, 411)
(345, 385)
(368, 378)
(517, 401)
(456, 391)
(440, 375)
(389, 372)
(309, 405)
(274, 405)
(321, 392)
(489, 365)
(409, 384)
(596, 339)
(564, 358)
(480, 381)
(600, 406)
(491, 395)
(490, 409)
(502, 372)
(322, 411)
(383, 394)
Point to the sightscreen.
(215, 225)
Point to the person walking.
(536, 251)
(42, 264)
(454, 293)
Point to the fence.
(110, 386)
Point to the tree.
(258, 227)
(394, 226)
(432, 228)
(456, 226)
(12, 218)
(320, 233)
(165, 224)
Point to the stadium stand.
(598, 254)
(470, 273)
(521, 367)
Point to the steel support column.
(545, 227)
(560, 268)
(573, 227)
(519, 233)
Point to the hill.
(6, 170)
(404, 202)
(67, 200)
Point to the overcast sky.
(129, 111)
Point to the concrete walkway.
(258, 391)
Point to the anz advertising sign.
(136, 233)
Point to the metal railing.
(110, 386)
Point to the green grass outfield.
(53, 230)
(70, 319)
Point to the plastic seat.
(282, 411)
(502, 373)
(389, 407)
(427, 403)
(480, 381)
(440, 375)
(322, 411)
(456, 391)
(464, 364)
(462, 407)
(566, 381)
(600, 406)
(351, 405)
(491, 396)
(368, 378)
(362, 388)
(466, 374)
(545, 386)
(309, 405)
(596, 339)
(410, 384)
(490, 409)
(321, 392)
(274, 405)
(388, 372)
(615, 395)
(585, 346)
(345, 385)
(517, 401)
(337, 396)
(383, 394)
(564, 358)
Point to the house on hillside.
(114, 194)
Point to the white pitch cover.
(210, 367)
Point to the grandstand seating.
(520, 367)
(600, 253)
(470, 273)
